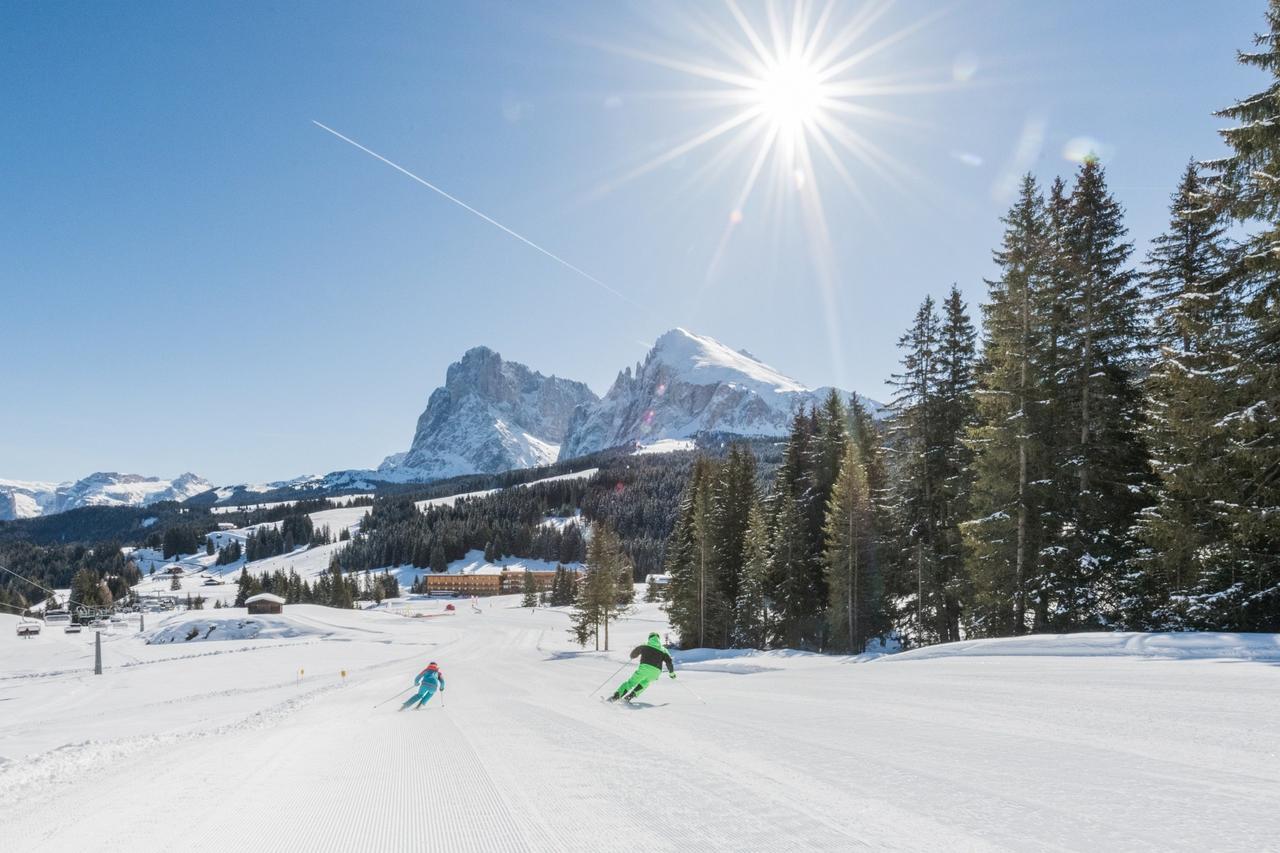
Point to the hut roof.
(264, 596)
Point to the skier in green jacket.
(652, 658)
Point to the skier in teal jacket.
(652, 658)
(428, 681)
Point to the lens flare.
(787, 94)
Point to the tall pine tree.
(852, 577)
(688, 559)
(1250, 181)
(1103, 480)
(1004, 536)
(1191, 387)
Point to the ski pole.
(691, 693)
(607, 680)
(397, 696)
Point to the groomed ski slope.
(214, 745)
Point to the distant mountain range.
(493, 415)
(21, 499)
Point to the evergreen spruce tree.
(562, 587)
(652, 593)
(530, 590)
(956, 414)
(438, 561)
(626, 579)
(1108, 461)
(866, 434)
(752, 627)
(733, 492)
(244, 588)
(1053, 488)
(791, 562)
(915, 432)
(688, 559)
(341, 592)
(1003, 539)
(597, 602)
(1191, 388)
(85, 586)
(1243, 590)
(852, 579)
(831, 433)
(797, 584)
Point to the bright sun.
(792, 98)
(785, 85)
(790, 94)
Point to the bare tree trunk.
(1019, 574)
(702, 590)
(848, 587)
(1087, 369)
(920, 588)
(1019, 583)
(856, 601)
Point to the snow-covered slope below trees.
(19, 499)
(769, 752)
(1188, 645)
(690, 384)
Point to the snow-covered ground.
(474, 563)
(336, 519)
(342, 501)
(452, 499)
(665, 445)
(1082, 743)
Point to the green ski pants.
(642, 678)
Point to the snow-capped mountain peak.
(690, 384)
(704, 361)
(490, 415)
(20, 499)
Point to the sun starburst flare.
(788, 103)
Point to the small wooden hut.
(264, 602)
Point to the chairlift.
(57, 617)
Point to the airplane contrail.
(588, 276)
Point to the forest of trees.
(635, 495)
(1107, 458)
(799, 566)
(294, 531)
(97, 576)
(333, 588)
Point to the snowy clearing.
(450, 500)
(665, 445)
(340, 501)
(1056, 747)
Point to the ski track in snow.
(951, 752)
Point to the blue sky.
(196, 277)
